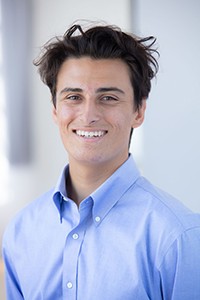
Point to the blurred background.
(166, 147)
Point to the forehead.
(89, 72)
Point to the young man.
(104, 232)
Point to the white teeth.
(89, 134)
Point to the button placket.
(71, 255)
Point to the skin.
(95, 112)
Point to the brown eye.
(109, 98)
(73, 97)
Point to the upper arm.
(11, 279)
(180, 268)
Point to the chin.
(89, 159)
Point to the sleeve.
(11, 280)
(180, 269)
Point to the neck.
(84, 179)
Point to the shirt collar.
(112, 190)
(59, 192)
(107, 195)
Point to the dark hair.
(101, 42)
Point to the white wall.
(171, 139)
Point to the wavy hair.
(101, 42)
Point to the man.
(104, 232)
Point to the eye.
(73, 97)
(109, 98)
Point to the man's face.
(95, 110)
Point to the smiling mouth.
(90, 134)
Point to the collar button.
(97, 219)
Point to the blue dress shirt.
(128, 240)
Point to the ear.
(139, 114)
(54, 114)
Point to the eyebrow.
(109, 89)
(99, 90)
(68, 89)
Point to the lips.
(90, 134)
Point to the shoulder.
(28, 216)
(163, 218)
(166, 221)
(167, 207)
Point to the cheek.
(123, 122)
(64, 116)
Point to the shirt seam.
(174, 241)
(168, 208)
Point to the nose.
(90, 112)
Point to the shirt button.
(97, 219)
(69, 285)
(75, 236)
